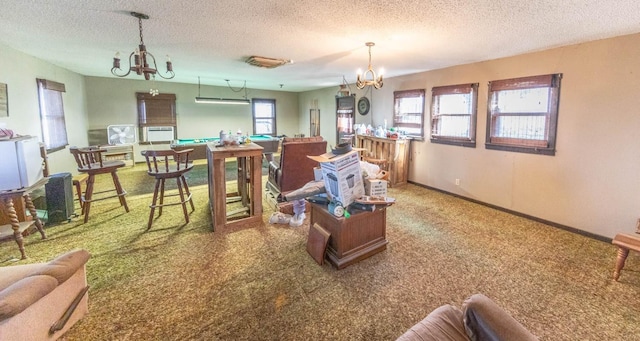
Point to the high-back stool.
(169, 164)
(91, 162)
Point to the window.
(408, 112)
(54, 129)
(157, 114)
(453, 114)
(523, 114)
(264, 116)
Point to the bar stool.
(91, 162)
(169, 164)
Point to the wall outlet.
(457, 182)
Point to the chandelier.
(364, 80)
(140, 58)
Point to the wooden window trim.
(532, 146)
(409, 94)
(254, 101)
(469, 88)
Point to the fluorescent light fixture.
(211, 100)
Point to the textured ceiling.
(325, 38)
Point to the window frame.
(52, 119)
(254, 102)
(397, 95)
(472, 90)
(547, 146)
(164, 117)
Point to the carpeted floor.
(185, 282)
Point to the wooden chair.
(169, 164)
(91, 162)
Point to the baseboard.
(520, 214)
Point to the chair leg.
(79, 192)
(188, 192)
(182, 201)
(87, 197)
(161, 197)
(622, 257)
(153, 203)
(120, 191)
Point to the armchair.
(294, 169)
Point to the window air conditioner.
(159, 134)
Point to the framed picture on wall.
(4, 101)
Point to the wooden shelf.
(120, 152)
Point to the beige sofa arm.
(485, 320)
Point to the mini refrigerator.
(21, 164)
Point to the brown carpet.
(184, 282)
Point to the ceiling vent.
(265, 62)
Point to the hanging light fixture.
(214, 100)
(364, 80)
(140, 58)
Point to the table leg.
(220, 194)
(15, 225)
(242, 180)
(255, 185)
(620, 260)
(32, 209)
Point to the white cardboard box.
(342, 176)
(375, 187)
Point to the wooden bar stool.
(169, 164)
(91, 162)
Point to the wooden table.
(17, 227)
(249, 157)
(352, 239)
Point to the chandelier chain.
(142, 40)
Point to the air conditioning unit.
(159, 134)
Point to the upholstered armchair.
(294, 169)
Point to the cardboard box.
(342, 176)
(375, 187)
(317, 173)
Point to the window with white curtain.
(54, 130)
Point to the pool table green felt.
(269, 143)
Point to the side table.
(17, 227)
(249, 158)
(353, 239)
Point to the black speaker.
(59, 194)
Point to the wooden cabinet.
(394, 151)
(352, 239)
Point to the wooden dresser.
(394, 151)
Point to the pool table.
(269, 143)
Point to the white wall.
(593, 181)
(113, 101)
(19, 71)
